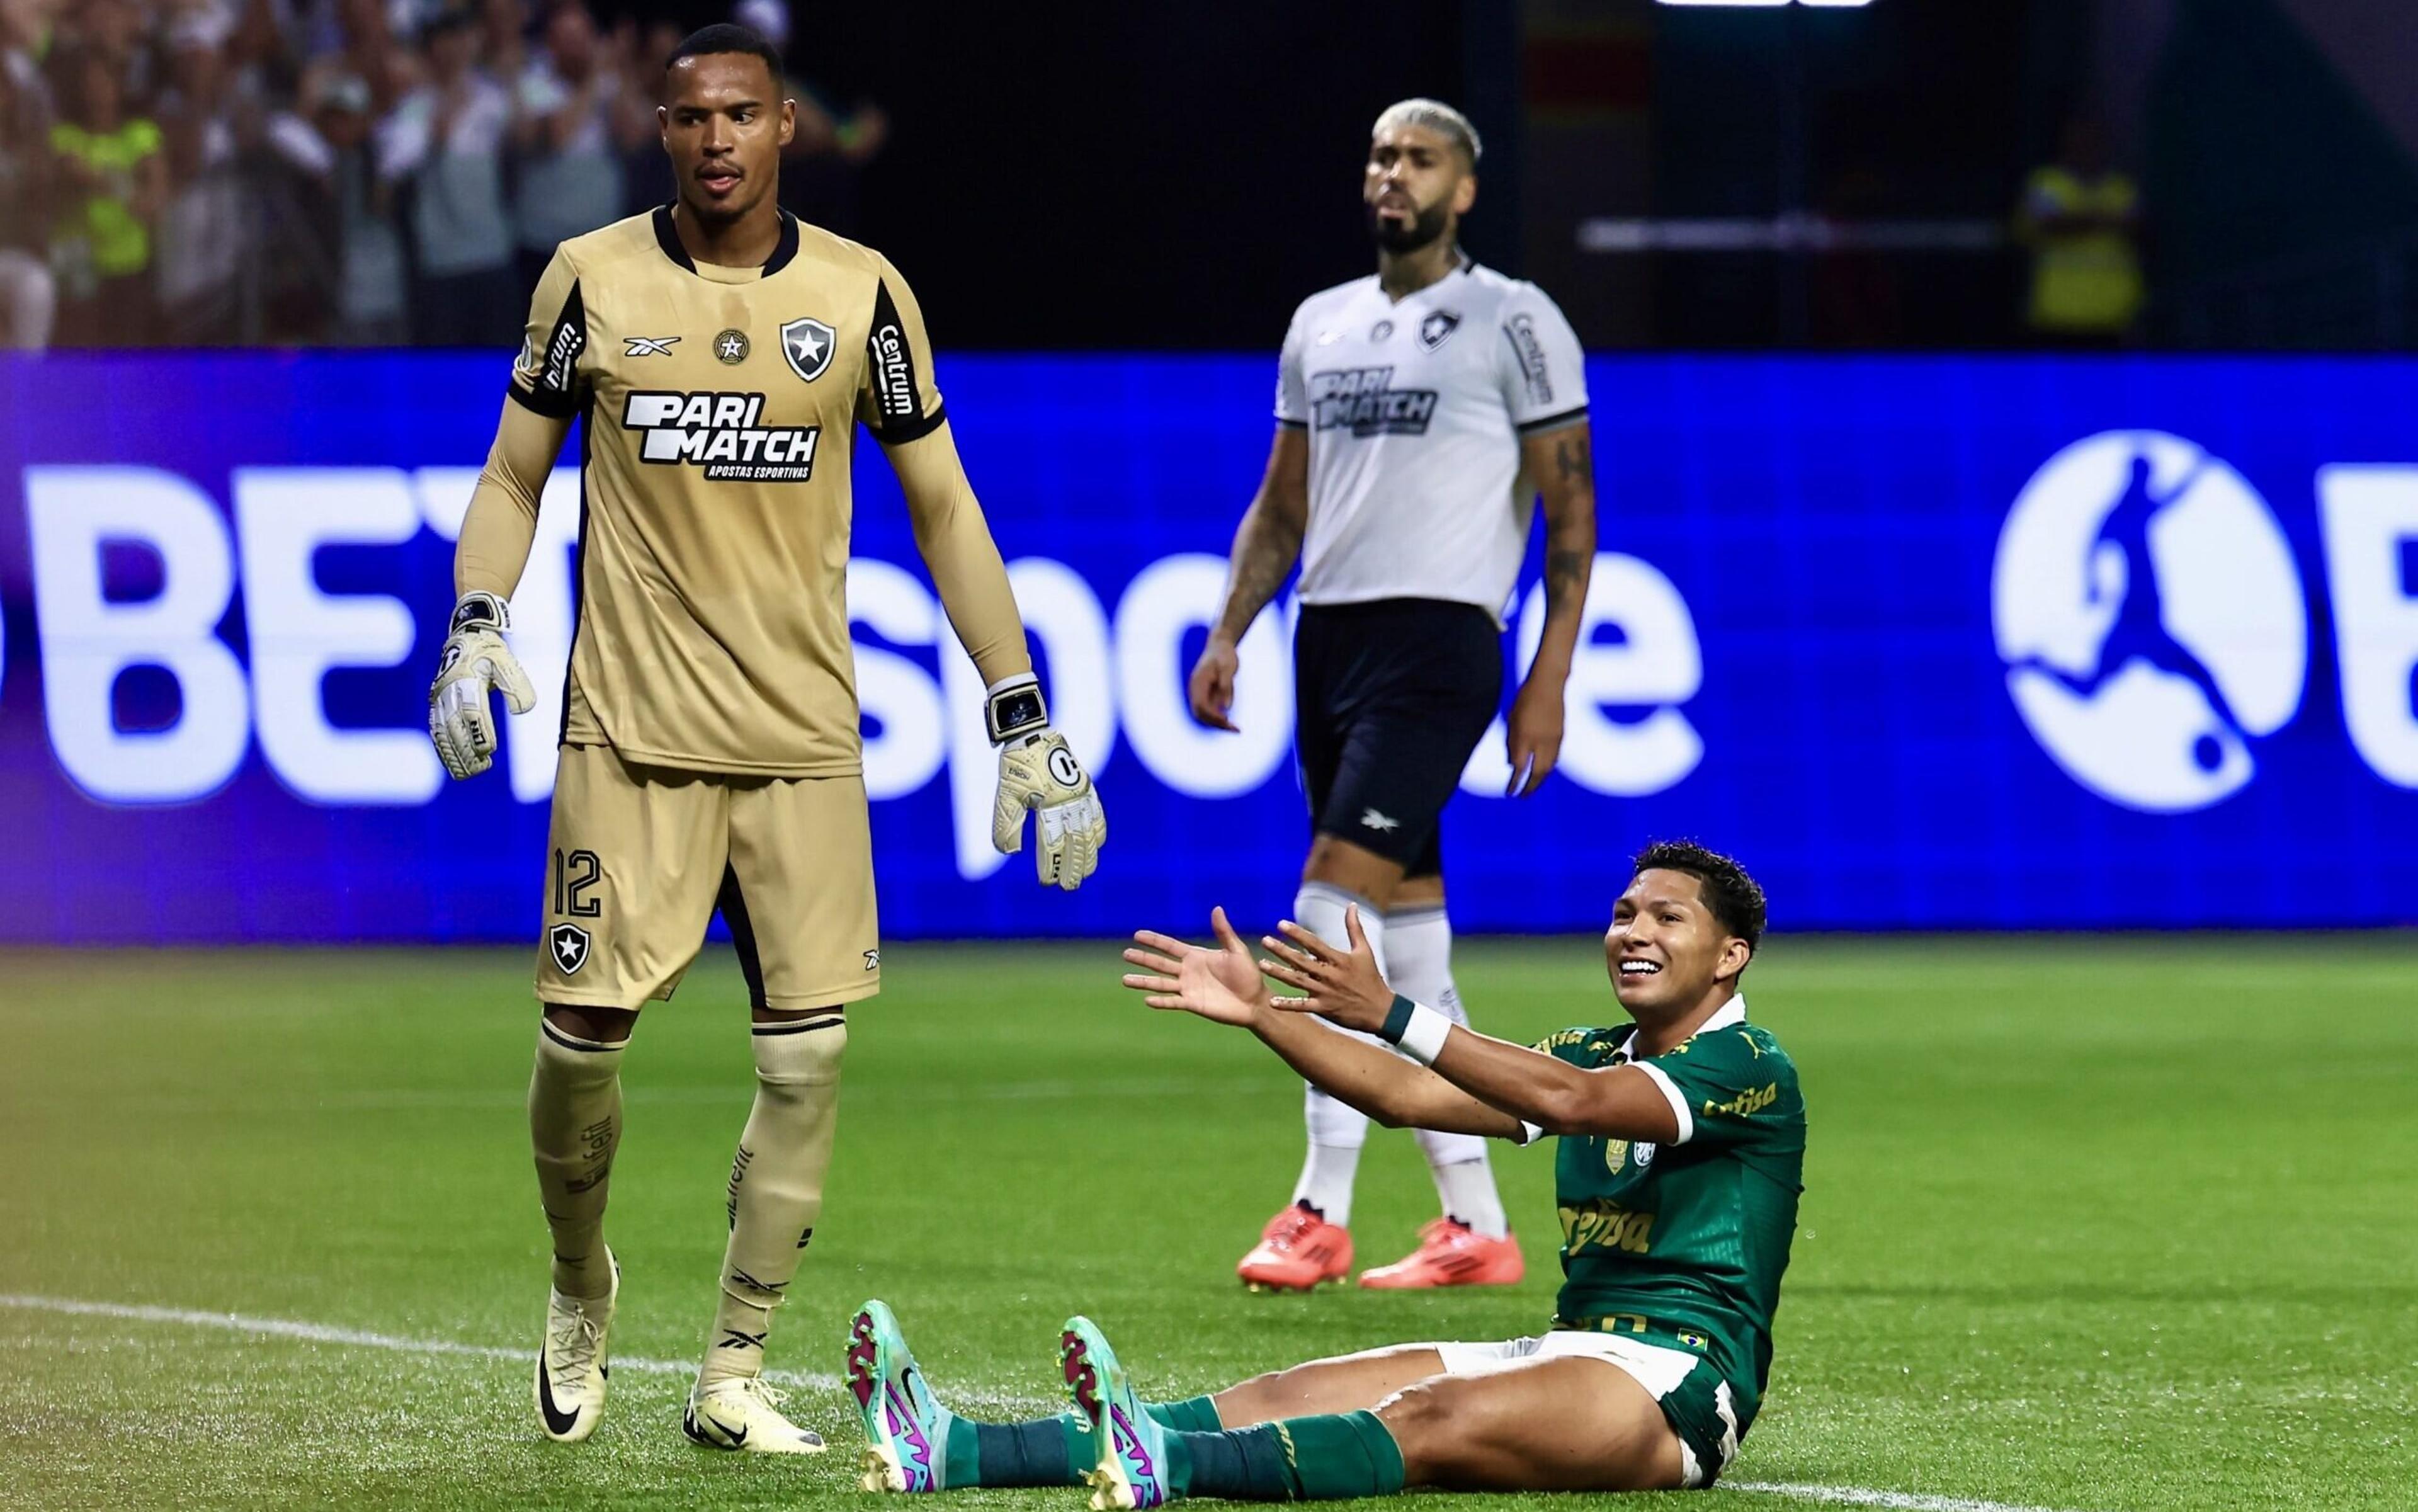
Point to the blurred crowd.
(196, 172)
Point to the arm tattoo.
(1263, 560)
(1262, 569)
(1566, 578)
(1569, 536)
(1574, 460)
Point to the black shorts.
(1389, 699)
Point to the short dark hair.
(1734, 897)
(725, 37)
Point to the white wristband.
(1423, 1037)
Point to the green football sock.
(1308, 1459)
(1195, 1414)
(1049, 1451)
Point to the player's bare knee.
(604, 1026)
(1264, 1397)
(1420, 1409)
(1355, 869)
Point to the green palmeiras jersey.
(1688, 1241)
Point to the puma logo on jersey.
(719, 432)
(1372, 819)
(648, 345)
(1360, 400)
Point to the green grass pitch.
(2091, 1224)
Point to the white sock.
(1336, 1129)
(1420, 941)
(1326, 1175)
(1319, 908)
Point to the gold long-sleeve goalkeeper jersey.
(719, 405)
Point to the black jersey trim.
(553, 391)
(667, 237)
(553, 406)
(1291, 423)
(890, 362)
(785, 250)
(1568, 417)
(898, 433)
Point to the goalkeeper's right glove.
(1038, 771)
(475, 662)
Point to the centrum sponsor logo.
(1601, 1225)
(719, 432)
(569, 340)
(895, 376)
(1531, 352)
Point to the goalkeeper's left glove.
(1038, 771)
(475, 662)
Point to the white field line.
(236, 1323)
(1859, 1496)
(361, 1339)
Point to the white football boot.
(570, 1360)
(745, 1414)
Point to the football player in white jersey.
(1420, 413)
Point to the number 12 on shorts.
(576, 875)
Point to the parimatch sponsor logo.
(1361, 400)
(719, 432)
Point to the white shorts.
(1661, 1370)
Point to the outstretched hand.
(1222, 986)
(1343, 987)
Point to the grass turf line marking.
(358, 1338)
(361, 1338)
(1859, 1496)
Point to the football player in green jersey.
(1681, 1155)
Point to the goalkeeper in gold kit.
(720, 354)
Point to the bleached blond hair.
(1436, 117)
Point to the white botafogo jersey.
(1414, 412)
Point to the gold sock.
(575, 1105)
(777, 1184)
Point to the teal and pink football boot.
(1129, 1446)
(906, 1428)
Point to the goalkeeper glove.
(1038, 771)
(476, 661)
